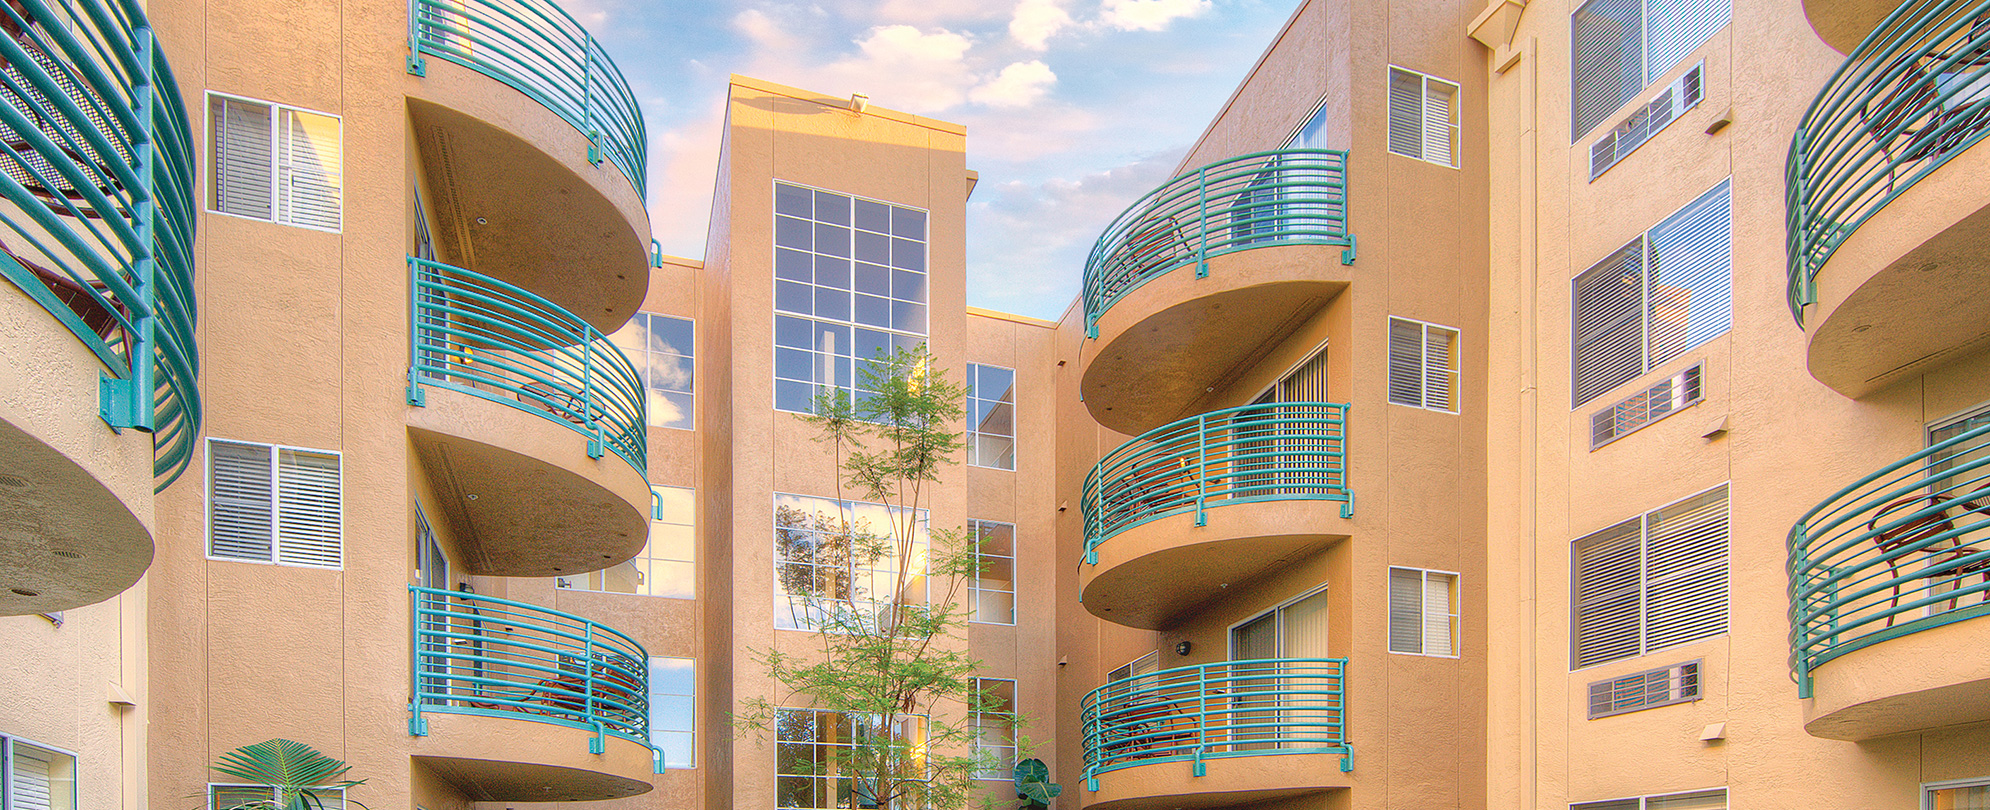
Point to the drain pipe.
(1529, 511)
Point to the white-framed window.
(849, 282)
(1657, 580)
(273, 504)
(667, 565)
(275, 162)
(660, 346)
(1956, 794)
(263, 797)
(813, 751)
(674, 710)
(821, 563)
(1423, 117)
(1423, 365)
(35, 776)
(1638, 411)
(1654, 299)
(1620, 46)
(1423, 612)
(991, 595)
(991, 416)
(1313, 133)
(1715, 799)
(993, 719)
(1638, 691)
(1149, 662)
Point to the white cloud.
(902, 67)
(1018, 85)
(1036, 21)
(1148, 15)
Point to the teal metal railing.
(1915, 94)
(489, 339)
(96, 168)
(539, 50)
(1276, 452)
(1900, 551)
(1264, 199)
(1262, 707)
(482, 655)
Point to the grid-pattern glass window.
(660, 348)
(274, 504)
(1654, 581)
(849, 282)
(993, 719)
(1715, 799)
(674, 710)
(1967, 794)
(1621, 46)
(992, 594)
(275, 163)
(813, 751)
(1654, 299)
(991, 416)
(263, 797)
(1423, 117)
(1423, 365)
(36, 777)
(667, 565)
(1423, 612)
(821, 565)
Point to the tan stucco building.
(1542, 404)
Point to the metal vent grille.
(1647, 120)
(1671, 395)
(1679, 683)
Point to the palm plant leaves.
(297, 772)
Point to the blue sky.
(1073, 107)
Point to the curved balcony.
(1252, 228)
(1175, 515)
(1843, 24)
(520, 405)
(96, 176)
(517, 179)
(1889, 204)
(1885, 577)
(515, 702)
(1217, 734)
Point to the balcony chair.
(1947, 557)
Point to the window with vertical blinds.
(1654, 581)
(1666, 292)
(36, 777)
(273, 504)
(1423, 365)
(262, 797)
(1620, 46)
(276, 163)
(1715, 799)
(1423, 612)
(1423, 117)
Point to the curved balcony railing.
(1913, 95)
(1277, 452)
(538, 49)
(1900, 551)
(1265, 199)
(483, 655)
(1250, 708)
(483, 337)
(96, 168)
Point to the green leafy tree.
(890, 651)
(298, 777)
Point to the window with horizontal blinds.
(37, 778)
(275, 505)
(260, 797)
(1715, 799)
(276, 163)
(310, 166)
(1423, 365)
(1665, 292)
(1423, 612)
(243, 154)
(1655, 581)
(1620, 46)
(1423, 117)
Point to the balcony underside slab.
(1156, 573)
